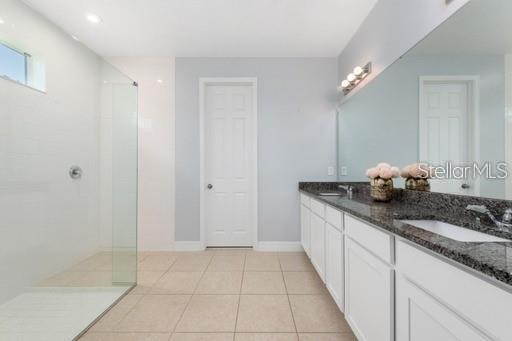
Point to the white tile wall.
(47, 220)
(156, 188)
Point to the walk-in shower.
(68, 180)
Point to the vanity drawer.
(318, 208)
(304, 200)
(334, 217)
(374, 240)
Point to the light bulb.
(358, 71)
(345, 84)
(93, 18)
(351, 77)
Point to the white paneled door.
(445, 131)
(229, 163)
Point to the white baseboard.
(260, 246)
(188, 246)
(279, 246)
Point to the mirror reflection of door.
(447, 120)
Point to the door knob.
(464, 186)
(210, 186)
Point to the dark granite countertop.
(490, 258)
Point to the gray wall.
(380, 123)
(390, 30)
(296, 135)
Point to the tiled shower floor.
(63, 305)
(54, 314)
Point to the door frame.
(473, 82)
(203, 83)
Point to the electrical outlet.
(330, 170)
(344, 171)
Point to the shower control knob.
(210, 186)
(75, 172)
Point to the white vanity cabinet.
(322, 240)
(317, 227)
(369, 286)
(438, 301)
(305, 222)
(334, 265)
(390, 289)
(420, 317)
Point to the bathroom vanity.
(396, 281)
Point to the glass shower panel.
(67, 238)
(119, 172)
(124, 183)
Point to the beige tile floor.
(219, 295)
(97, 271)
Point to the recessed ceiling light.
(159, 81)
(74, 38)
(93, 18)
(2, 21)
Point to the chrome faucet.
(346, 188)
(506, 221)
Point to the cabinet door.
(420, 317)
(368, 294)
(318, 244)
(305, 216)
(334, 264)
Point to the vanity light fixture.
(354, 78)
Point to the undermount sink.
(461, 234)
(330, 194)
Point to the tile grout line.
(114, 327)
(239, 296)
(288, 297)
(150, 291)
(190, 299)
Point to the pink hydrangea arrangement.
(381, 181)
(383, 171)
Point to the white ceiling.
(210, 28)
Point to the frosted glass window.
(13, 64)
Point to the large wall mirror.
(447, 102)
